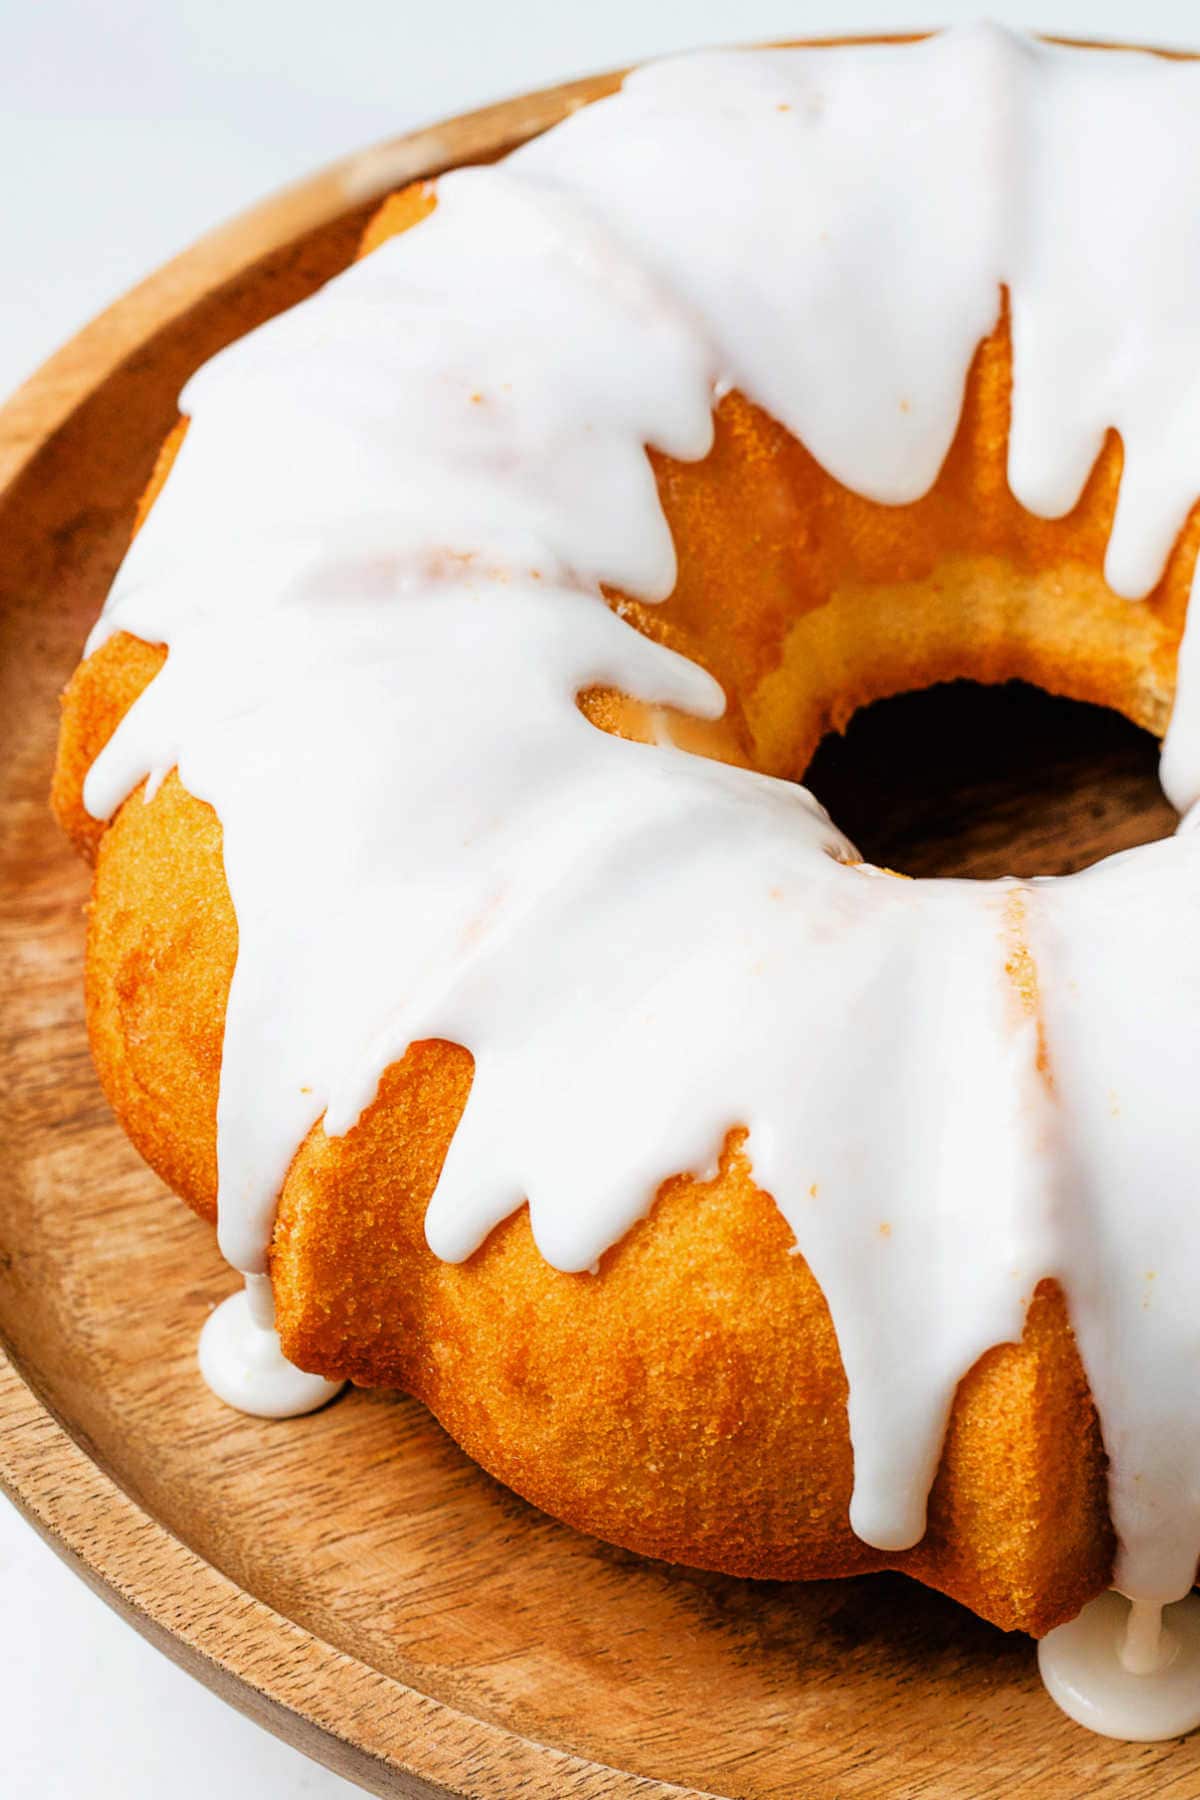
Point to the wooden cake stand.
(351, 1580)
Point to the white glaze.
(1147, 1643)
(242, 1362)
(378, 564)
(1127, 1672)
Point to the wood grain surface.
(350, 1579)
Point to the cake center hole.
(967, 780)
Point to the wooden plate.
(350, 1579)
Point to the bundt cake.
(462, 942)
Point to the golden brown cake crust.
(689, 1400)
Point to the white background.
(126, 129)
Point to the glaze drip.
(242, 1361)
(381, 587)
